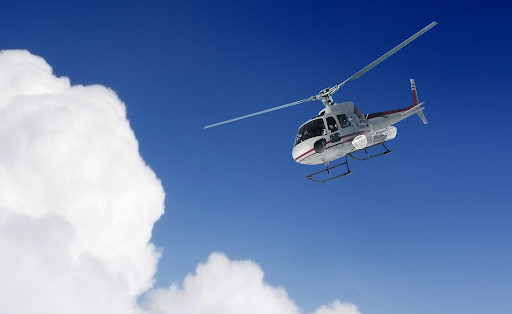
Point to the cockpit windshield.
(311, 129)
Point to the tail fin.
(416, 102)
(414, 93)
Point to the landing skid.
(368, 155)
(327, 171)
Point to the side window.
(331, 124)
(342, 118)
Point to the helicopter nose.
(312, 146)
(300, 151)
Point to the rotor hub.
(325, 95)
(325, 92)
(327, 100)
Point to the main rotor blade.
(262, 112)
(383, 57)
(336, 87)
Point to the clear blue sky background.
(423, 230)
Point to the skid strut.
(314, 176)
(368, 155)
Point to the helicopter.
(340, 129)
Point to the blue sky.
(425, 229)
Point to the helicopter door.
(335, 135)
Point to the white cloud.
(78, 204)
(39, 275)
(222, 286)
(337, 307)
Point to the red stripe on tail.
(414, 93)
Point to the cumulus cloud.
(77, 202)
(337, 307)
(222, 286)
(77, 208)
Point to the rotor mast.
(325, 96)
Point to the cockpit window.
(331, 124)
(344, 122)
(311, 129)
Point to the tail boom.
(387, 118)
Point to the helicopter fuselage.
(341, 129)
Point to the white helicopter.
(341, 130)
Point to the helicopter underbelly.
(331, 152)
(306, 154)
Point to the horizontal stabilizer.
(414, 108)
(422, 116)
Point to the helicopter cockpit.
(311, 129)
(317, 127)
